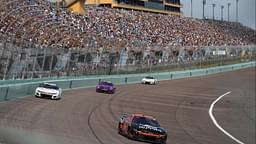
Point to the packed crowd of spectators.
(39, 22)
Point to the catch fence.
(37, 61)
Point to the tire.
(111, 92)
(55, 98)
(164, 141)
(119, 130)
(38, 96)
(130, 134)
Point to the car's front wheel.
(111, 91)
(37, 96)
(130, 134)
(56, 98)
(119, 129)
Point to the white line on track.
(216, 123)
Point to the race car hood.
(149, 128)
(45, 90)
(145, 79)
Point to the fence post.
(6, 94)
(70, 84)
(171, 76)
(125, 80)
(51, 63)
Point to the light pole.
(228, 10)
(191, 8)
(222, 7)
(204, 2)
(237, 10)
(213, 6)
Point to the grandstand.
(36, 39)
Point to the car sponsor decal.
(149, 127)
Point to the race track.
(86, 117)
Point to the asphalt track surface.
(86, 117)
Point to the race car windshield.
(106, 83)
(149, 78)
(146, 121)
(49, 86)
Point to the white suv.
(49, 90)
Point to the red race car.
(142, 127)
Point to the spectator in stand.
(37, 22)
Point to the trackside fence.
(19, 88)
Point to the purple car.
(107, 87)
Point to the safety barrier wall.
(22, 88)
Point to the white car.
(149, 80)
(49, 90)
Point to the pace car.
(142, 127)
(48, 90)
(105, 86)
(149, 80)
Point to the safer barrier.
(21, 88)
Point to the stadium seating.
(26, 25)
(39, 22)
